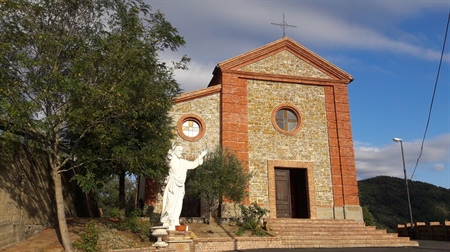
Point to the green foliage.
(137, 225)
(83, 81)
(135, 135)
(369, 220)
(88, 238)
(108, 196)
(385, 197)
(93, 88)
(221, 175)
(113, 212)
(252, 217)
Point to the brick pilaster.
(234, 121)
(342, 157)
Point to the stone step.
(291, 220)
(314, 225)
(332, 228)
(325, 223)
(346, 244)
(347, 225)
(304, 233)
(281, 230)
(374, 240)
(339, 237)
(331, 234)
(336, 237)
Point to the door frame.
(291, 164)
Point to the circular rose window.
(191, 127)
(286, 119)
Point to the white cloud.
(224, 28)
(387, 160)
(197, 77)
(439, 167)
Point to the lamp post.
(396, 139)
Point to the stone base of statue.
(173, 236)
(180, 240)
(159, 232)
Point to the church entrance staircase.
(307, 233)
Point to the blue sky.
(391, 48)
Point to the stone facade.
(206, 107)
(285, 63)
(310, 144)
(238, 111)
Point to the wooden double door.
(291, 190)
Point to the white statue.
(174, 191)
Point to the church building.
(284, 111)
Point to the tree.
(429, 202)
(134, 145)
(369, 220)
(108, 196)
(221, 175)
(79, 69)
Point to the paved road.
(424, 246)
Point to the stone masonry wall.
(26, 196)
(285, 63)
(310, 144)
(207, 108)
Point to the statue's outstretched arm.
(198, 161)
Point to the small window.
(286, 119)
(191, 127)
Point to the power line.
(432, 98)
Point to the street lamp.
(396, 139)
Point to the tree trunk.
(219, 208)
(60, 210)
(211, 220)
(122, 194)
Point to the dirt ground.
(214, 230)
(110, 237)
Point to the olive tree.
(220, 176)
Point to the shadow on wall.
(26, 194)
(27, 202)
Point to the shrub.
(137, 225)
(369, 220)
(252, 219)
(88, 238)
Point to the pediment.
(285, 63)
(284, 57)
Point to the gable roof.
(301, 63)
(192, 95)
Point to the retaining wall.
(426, 231)
(26, 195)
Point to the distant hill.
(386, 199)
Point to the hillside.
(386, 200)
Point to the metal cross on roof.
(284, 25)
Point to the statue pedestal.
(176, 236)
(180, 241)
